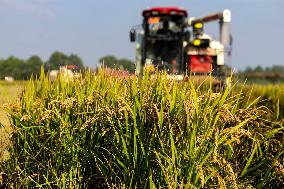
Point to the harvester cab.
(159, 41)
(170, 41)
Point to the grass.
(116, 132)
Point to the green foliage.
(122, 132)
(23, 69)
(76, 60)
(260, 75)
(114, 63)
(20, 69)
(273, 68)
(58, 59)
(34, 65)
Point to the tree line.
(112, 62)
(274, 68)
(263, 75)
(21, 69)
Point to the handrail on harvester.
(224, 16)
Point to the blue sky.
(94, 28)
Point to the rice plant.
(127, 132)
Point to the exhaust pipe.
(225, 28)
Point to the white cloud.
(37, 8)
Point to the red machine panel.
(200, 63)
(164, 11)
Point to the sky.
(95, 28)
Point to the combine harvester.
(169, 41)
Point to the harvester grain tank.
(170, 41)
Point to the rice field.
(8, 94)
(120, 132)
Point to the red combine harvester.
(169, 41)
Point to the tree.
(127, 65)
(110, 61)
(75, 60)
(14, 67)
(33, 64)
(23, 69)
(258, 69)
(278, 69)
(56, 60)
(248, 69)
